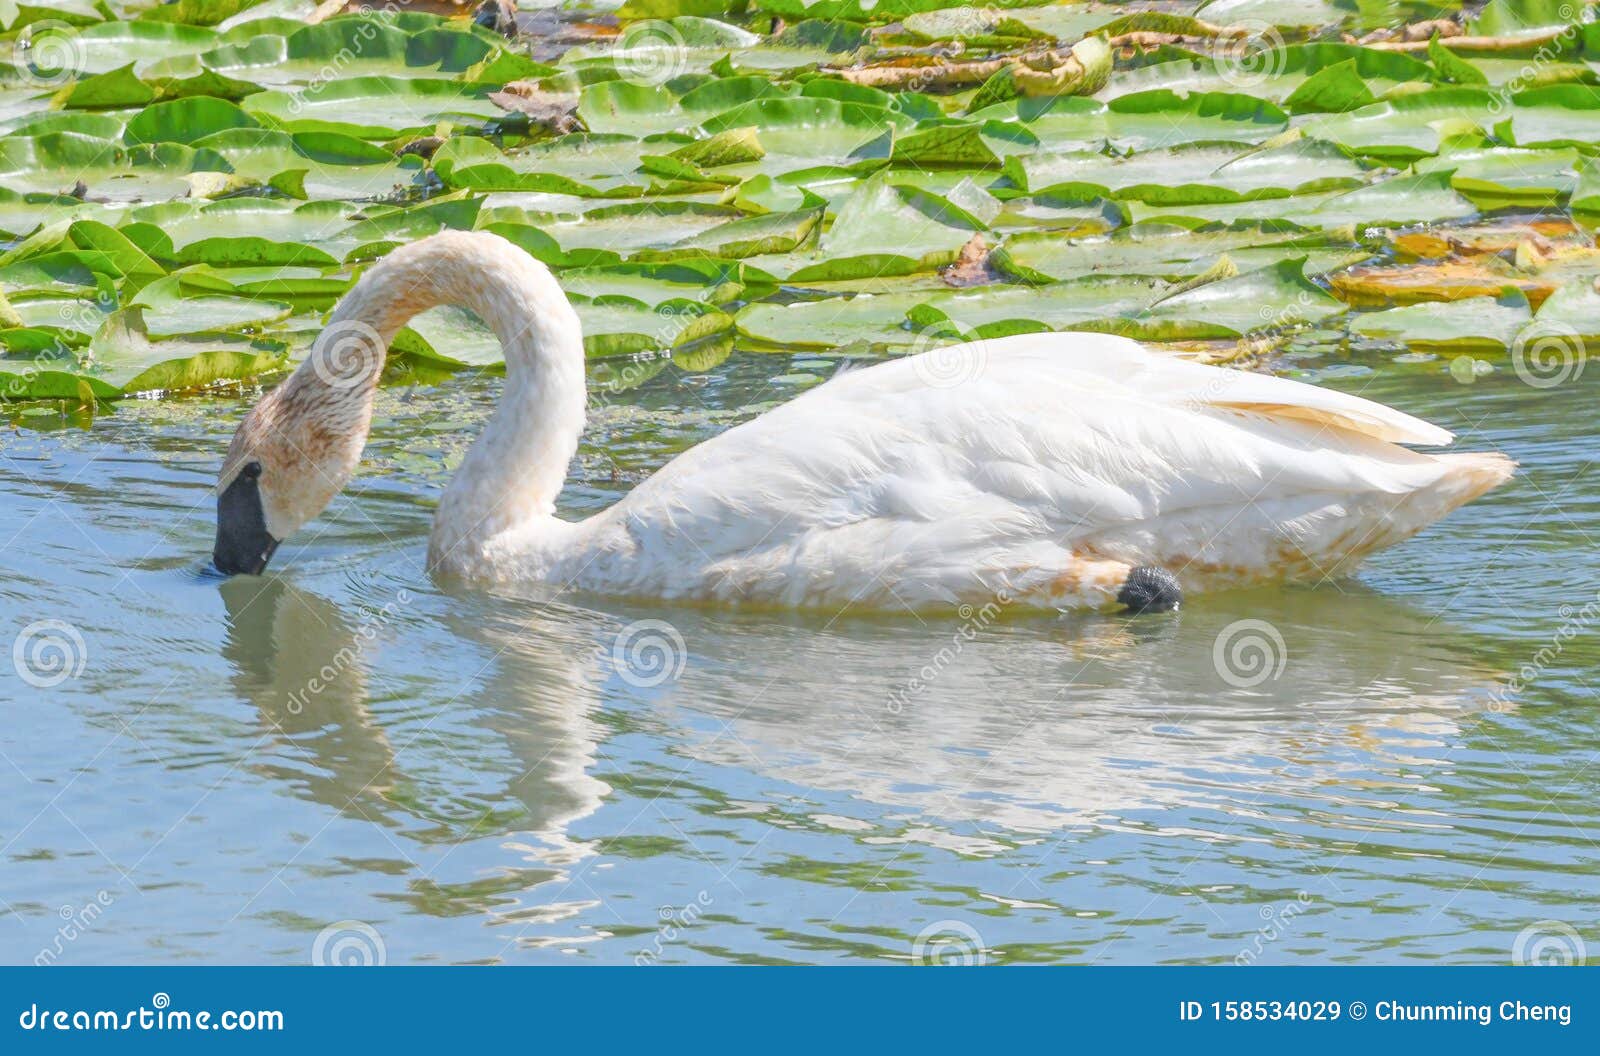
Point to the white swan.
(1051, 474)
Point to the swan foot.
(1150, 589)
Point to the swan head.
(294, 451)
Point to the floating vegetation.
(185, 188)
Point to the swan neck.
(514, 472)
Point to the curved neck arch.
(515, 469)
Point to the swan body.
(1039, 472)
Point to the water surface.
(227, 770)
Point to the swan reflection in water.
(307, 665)
(1016, 728)
(1025, 725)
(1032, 726)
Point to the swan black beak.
(243, 543)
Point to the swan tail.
(1470, 475)
(1385, 522)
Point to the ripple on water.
(242, 762)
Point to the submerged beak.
(243, 543)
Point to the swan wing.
(1041, 456)
(1163, 378)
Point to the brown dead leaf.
(971, 267)
(1456, 280)
(1551, 236)
(555, 111)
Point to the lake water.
(344, 761)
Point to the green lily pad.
(1275, 297)
(179, 304)
(126, 355)
(374, 107)
(1474, 324)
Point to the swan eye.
(251, 471)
